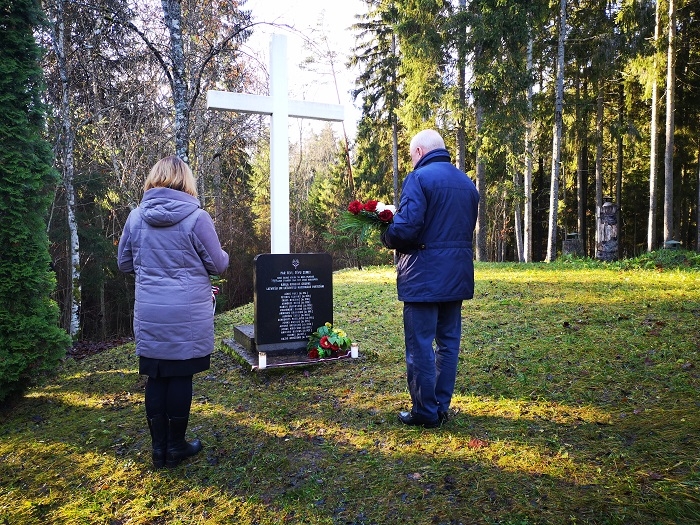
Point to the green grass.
(578, 401)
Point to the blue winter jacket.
(433, 230)
(170, 243)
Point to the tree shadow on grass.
(280, 447)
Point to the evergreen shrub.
(30, 340)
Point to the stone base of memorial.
(293, 295)
(243, 345)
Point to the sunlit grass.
(576, 402)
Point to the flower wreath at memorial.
(363, 218)
(327, 341)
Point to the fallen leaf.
(477, 443)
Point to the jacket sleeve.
(125, 258)
(207, 244)
(404, 233)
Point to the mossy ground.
(577, 401)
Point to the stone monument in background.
(606, 247)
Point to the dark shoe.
(158, 426)
(408, 418)
(178, 448)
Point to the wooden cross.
(280, 108)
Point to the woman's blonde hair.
(171, 172)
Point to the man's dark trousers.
(431, 371)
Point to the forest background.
(552, 107)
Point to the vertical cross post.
(279, 147)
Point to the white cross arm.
(240, 102)
(245, 103)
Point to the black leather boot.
(178, 447)
(158, 425)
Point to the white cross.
(280, 108)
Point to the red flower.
(325, 343)
(355, 207)
(335, 348)
(313, 353)
(371, 206)
(385, 215)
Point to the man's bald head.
(423, 143)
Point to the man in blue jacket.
(432, 232)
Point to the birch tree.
(481, 229)
(198, 33)
(172, 17)
(556, 139)
(64, 151)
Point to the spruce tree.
(30, 340)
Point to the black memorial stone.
(293, 295)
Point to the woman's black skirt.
(171, 368)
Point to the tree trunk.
(653, 154)
(517, 212)
(104, 316)
(65, 153)
(556, 140)
(394, 141)
(527, 183)
(620, 152)
(481, 222)
(172, 16)
(670, 126)
(462, 94)
(578, 139)
(330, 55)
(697, 211)
(583, 177)
(502, 238)
(598, 163)
(394, 134)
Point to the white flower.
(381, 207)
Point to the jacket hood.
(165, 206)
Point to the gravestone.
(293, 296)
(573, 245)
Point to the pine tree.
(378, 85)
(30, 339)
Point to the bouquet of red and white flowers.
(362, 218)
